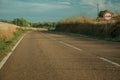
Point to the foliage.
(90, 27)
(101, 13)
(42, 24)
(48, 25)
(21, 22)
(1, 20)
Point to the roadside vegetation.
(21, 22)
(46, 25)
(98, 28)
(9, 35)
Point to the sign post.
(107, 17)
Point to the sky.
(54, 10)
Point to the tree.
(21, 22)
(101, 13)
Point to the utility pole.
(97, 7)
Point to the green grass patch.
(7, 45)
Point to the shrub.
(90, 27)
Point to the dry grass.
(7, 30)
(9, 35)
(91, 27)
(89, 20)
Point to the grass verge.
(7, 45)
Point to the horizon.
(54, 10)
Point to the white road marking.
(64, 43)
(109, 61)
(104, 59)
(70, 46)
(49, 37)
(6, 58)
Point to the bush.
(21, 22)
(90, 27)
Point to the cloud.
(54, 9)
(103, 4)
(42, 7)
(18, 6)
(65, 3)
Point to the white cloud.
(90, 2)
(18, 6)
(103, 4)
(65, 3)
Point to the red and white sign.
(108, 16)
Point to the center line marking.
(64, 43)
(70, 46)
(109, 61)
(104, 59)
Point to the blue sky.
(53, 10)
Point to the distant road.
(52, 56)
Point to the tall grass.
(9, 35)
(90, 27)
(7, 30)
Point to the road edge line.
(9, 54)
(66, 44)
(109, 61)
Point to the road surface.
(52, 56)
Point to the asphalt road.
(53, 56)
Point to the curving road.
(52, 56)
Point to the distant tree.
(101, 13)
(44, 24)
(21, 22)
(2, 20)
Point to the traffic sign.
(108, 16)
